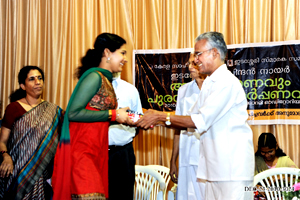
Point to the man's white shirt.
(127, 95)
(220, 115)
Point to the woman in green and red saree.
(28, 140)
(81, 161)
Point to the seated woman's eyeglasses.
(268, 152)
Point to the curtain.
(55, 34)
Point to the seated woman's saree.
(283, 161)
(81, 161)
(32, 145)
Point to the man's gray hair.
(215, 40)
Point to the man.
(226, 155)
(121, 166)
(186, 144)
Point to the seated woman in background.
(28, 139)
(269, 155)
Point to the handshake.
(133, 118)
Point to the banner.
(268, 72)
(158, 76)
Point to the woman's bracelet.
(109, 114)
(3, 152)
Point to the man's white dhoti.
(228, 190)
(189, 187)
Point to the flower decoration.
(296, 187)
(293, 195)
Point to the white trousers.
(189, 187)
(228, 190)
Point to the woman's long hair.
(93, 57)
(268, 140)
(23, 73)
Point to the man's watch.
(168, 122)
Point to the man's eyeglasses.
(196, 55)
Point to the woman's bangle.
(113, 115)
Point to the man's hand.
(173, 172)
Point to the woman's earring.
(108, 60)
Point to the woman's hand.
(7, 166)
(123, 117)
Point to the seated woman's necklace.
(29, 103)
(272, 163)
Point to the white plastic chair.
(164, 171)
(172, 192)
(145, 179)
(277, 178)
